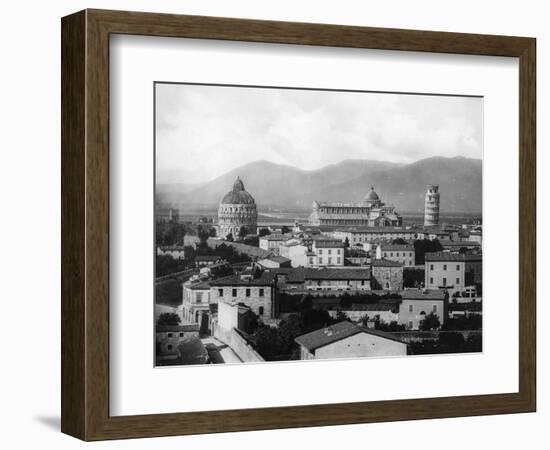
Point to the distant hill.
(404, 185)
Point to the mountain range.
(281, 186)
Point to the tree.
(423, 246)
(430, 322)
(285, 229)
(346, 243)
(288, 329)
(242, 232)
(203, 236)
(341, 316)
(413, 277)
(264, 232)
(229, 237)
(165, 265)
(168, 319)
(267, 342)
(399, 241)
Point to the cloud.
(204, 131)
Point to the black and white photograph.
(296, 224)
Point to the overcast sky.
(203, 132)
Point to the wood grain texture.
(73, 227)
(85, 224)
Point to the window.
(338, 251)
(169, 346)
(410, 323)
(234, 292)
(458, 281)
(431, 267)
(261, 311)
(444, 281)
(387, 285)
(431, 280)
(362, 282)
(458, 267)
(261, 292)
(220, 292)
(320, 260)
(320, 251)
(330, 252)
(248, 292)
(410, 308)
(330, 260)
(169, 334)
(444, 266)
(338, 260)
(181, 334)
(198, 297)
(434, 308)
(391, 254)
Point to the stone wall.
(238, 344)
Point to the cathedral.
(371, 212)
(237, 209)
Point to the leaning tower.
(431, 205)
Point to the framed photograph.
(273, 225)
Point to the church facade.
(237, 209)
(371, 212)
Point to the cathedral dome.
(372, 195)
(238, 195)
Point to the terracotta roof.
(335, 333)
(200, 286)
(177, 328)
(235, 280)
(276, 237)
(419, 294)
(397, 247)
(328, 244)
(306, 273)
(380, 230)
(441, 256)
(386, 263)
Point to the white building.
(416, 304)
(273, 242)
(296, 252)
(327, 253)
(346, 340)
(403, 254)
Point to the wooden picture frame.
(85, 224)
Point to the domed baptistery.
(237, 209)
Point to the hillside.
(273, 185)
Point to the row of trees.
(277, 343)
(448, 342)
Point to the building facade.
(329, 279)
(371, 212)
(326, 253)
(258, 294)
(431, 205)
(403, 254)
(387, 275)
(196, 302)
(417, 304)
(237, 209)
(452, 272)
